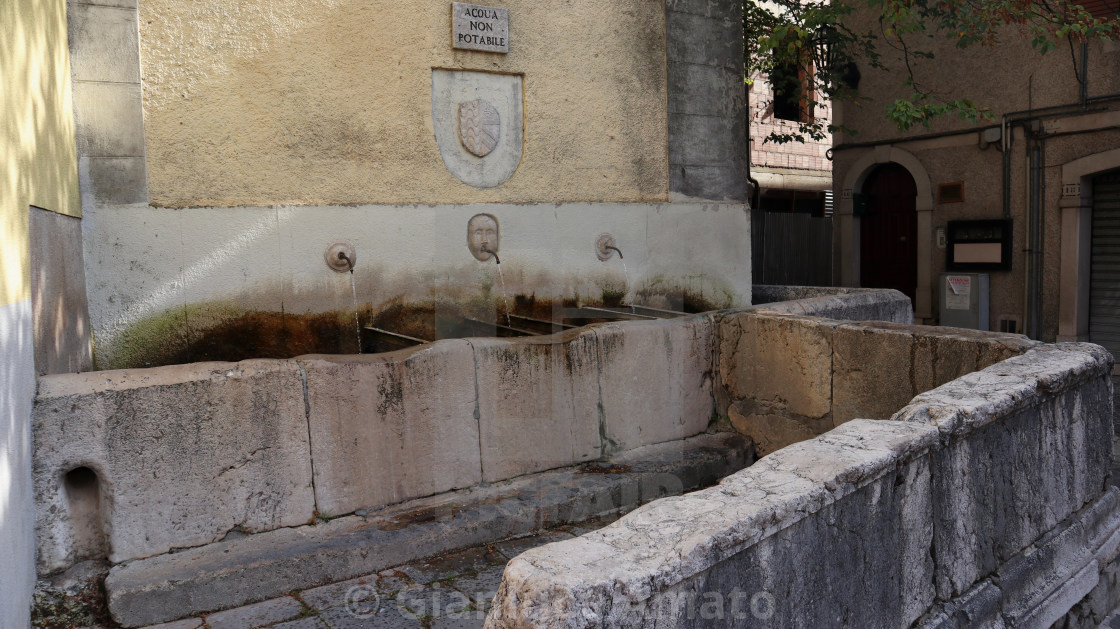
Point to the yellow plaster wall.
(38, 155)
(329, 101)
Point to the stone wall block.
(726, 88)
(713, 41)
(882, 577)
(538, 403)
(104, 43)
(770, 432)
(843, 305)
(1047, 415)
(183, 454)
(706, 141)
(1063, 552)
(390, 427)
(696, 181)
(655, 380)
(872, 372)
(777, 364)
(722, 9)
(116, 180)
(110, 119)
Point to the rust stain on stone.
(207, 334)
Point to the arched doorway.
(889, 230)
(1104, 269)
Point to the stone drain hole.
(83, 498)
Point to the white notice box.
(475, 27)
(958, 293)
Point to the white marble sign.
(475, 27)
(478, 121)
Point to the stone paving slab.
(313, 622)
(260, 567)
(514, 547)
(481, 587)
(256, 615)
(451, 591)
(453, 564)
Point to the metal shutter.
(1104, 282)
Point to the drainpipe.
(1084, 74)
(756, 194)
(1034, 230)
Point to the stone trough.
(212, 485)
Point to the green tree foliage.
(787, 40)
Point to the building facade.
(1026, 196)
(793, 176)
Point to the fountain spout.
(485, 248)
(350, 263)
(614, 248)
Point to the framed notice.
(983, 245)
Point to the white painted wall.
(143, 261)
(17, 523)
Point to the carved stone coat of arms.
(480, 126)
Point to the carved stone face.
(482, 233)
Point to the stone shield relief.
(477, 118)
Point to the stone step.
(254, 568)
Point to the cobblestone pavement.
(452, 591)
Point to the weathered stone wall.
(983, 503)
(166, 282)
(186, 454)
(707, 108)
(784, 378)
(272, 443)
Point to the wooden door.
(889, 231)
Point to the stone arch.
(1076, 251)
(848, 232)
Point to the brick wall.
(807, 156)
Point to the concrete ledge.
(239, 571)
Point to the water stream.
(357, 325)
(505, 295)
(626, 272)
